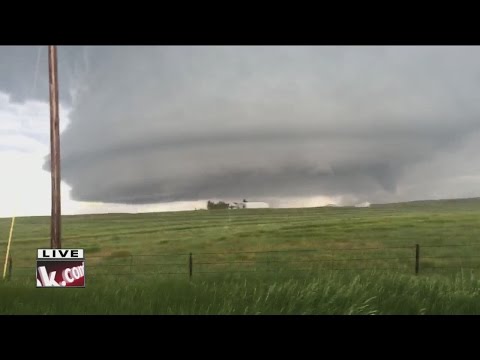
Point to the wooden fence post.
(417, 259)
(190, 266)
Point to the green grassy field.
(265, 261)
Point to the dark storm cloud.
(24, 72)
(153, 124)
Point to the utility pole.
(55, 241)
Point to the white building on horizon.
(250, 205)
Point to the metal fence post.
(190, 266)
(417, 259)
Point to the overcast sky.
(162, 128)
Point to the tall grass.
(371, 293)
(276, 286)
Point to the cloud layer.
(157, 124)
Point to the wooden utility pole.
(55, 241)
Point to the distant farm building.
(249, 205)
(256, 205)
(236, 205)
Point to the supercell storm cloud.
(156, 124)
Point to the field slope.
(285, 261)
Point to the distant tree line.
(216, 206)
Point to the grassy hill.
(467, 203)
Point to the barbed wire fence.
(409, 259)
